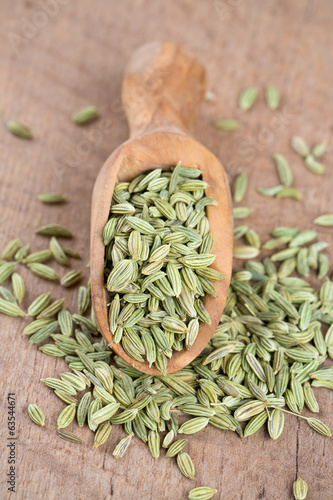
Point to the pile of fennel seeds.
(264, 360)
(157, 258)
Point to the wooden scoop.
(162, 91)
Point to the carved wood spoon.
(162, 92)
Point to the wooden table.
(57, 59)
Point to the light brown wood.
(162, 90)
(78, 58)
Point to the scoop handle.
(162, 89)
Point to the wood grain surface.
(67, 54)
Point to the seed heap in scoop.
(157, 258)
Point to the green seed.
(41, 256)
(69, 436)
(300, 146)
(10, 309)
(6, 270)
(276, 423)
(39, 304)
(319, 149)
(43, 271)
(314, 166)
(84, 115)
(51, 198)
(226, 124)
(272, 97)
(241, 212)
(58, 252)
(66, 416)
(10, 249)
(300, 489)
(239, 187)
(70, 279)
(194, 425)
(17, 128)
(18, 287)
(255, 423)
(185, 465)
(324, 220)
(245, 252)
(54, 230)
(122, 446)
(102, 434)
(289, 192)
(247, 98)
(285, 173)
(319, 426)
(36, 414)
(202, 493)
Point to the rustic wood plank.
(76, 58)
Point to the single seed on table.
(71, 253)
(82, 409)
(202, 493)
(300, 489)
(102, 434)
(319, 426)
(154, 443)
(54, 230)
(18, 128)
(272, 97)
(69, 436)
(52, 309)
(275, 423)
(270, 192)
(122, 446)
(36, 414)
(66, 416)
(22, 253)
(241, 212)
(285, 173)
(239, 187)
(300, 146)
(302, 238)
(83, 299)
(247, 98)
(226, 124)
(245, 252)
(210, 96)
(65, 322)
(6, 270)
(42, 271)
(58, 252)
(52, 350)
(71, 278)
(10, 249)
(289, 192)
(319, 149)
(51, 198)
(84, 115)
(185, 465)
(10, 309)
(7, 295)
(41, 256)
(253, 238)
(18, 287)
(255, 423)
(39, 304)
(324, 220)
